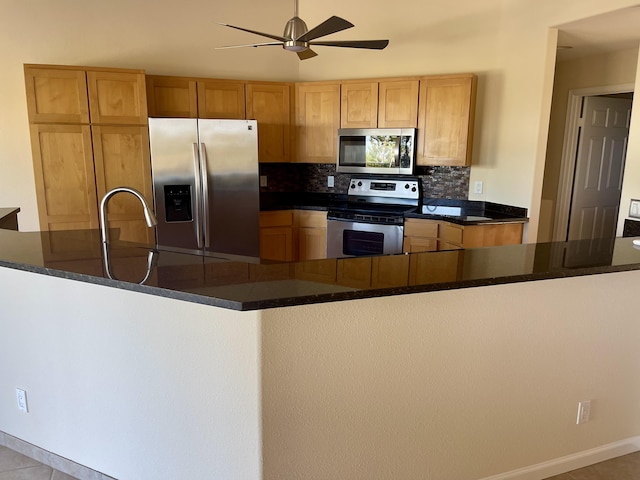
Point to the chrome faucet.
(149, 217)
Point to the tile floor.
(626, 467)
(15, 466)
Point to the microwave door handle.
(198, 203)
(205, 195)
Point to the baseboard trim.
(50, 459)
(565, 464)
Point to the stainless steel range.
(372, 220)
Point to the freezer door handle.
(205, 194)
(198, 205)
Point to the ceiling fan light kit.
(298, 38)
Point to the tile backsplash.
(437, 182)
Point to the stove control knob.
(414, 189)
(407, 186)
(353, 185)
(359, 184)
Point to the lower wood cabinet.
(276, 235)
(431, 235)
(311, 234)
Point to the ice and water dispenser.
(177, 203)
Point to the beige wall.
(457, 385)
(507, 43)
(606, 69)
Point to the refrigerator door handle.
(198, 205)
(205, 194)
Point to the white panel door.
(599, 168)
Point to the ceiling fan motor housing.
(295, 28)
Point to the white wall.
(453, 385)
(134, 386)
(506, 42)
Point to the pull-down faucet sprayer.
(149, 217)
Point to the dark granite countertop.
(251, 284)
(462, 212)
(5, 212)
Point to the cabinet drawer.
(421, 228)
(277, 218)
(311, 219)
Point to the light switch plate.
(634, 208)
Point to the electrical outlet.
(330, 181)
(584, 410)
(21, 397)
(263, 180)
(478, 187)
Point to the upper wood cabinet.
(175, 97)
(117, 98)
(221, 99)
(56, 95)
(359, 105)
(270, 105)
(445, 120)
(186, 97)
(398, 104)
(379, 104)
(64, 176)
(121, 158)
(317, 107)
(79, 95)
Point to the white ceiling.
(616, 30)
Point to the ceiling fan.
(297, 38)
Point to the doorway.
(592, 168)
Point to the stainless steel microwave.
(376, 150)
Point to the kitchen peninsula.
(318, 377)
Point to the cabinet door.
(270, 105)
(276, 235)
(445, 120)
(121, 155)
(312, 243)
(175, 97)
(359, 105)
(117, 98)
(56, 96)
(221, 99)
(398, 104)
(64, 177)
(317, 122)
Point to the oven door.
(347, 238)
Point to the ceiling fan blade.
(305, 54)
(329, 26)
(268, 35)
(249, 45)
(372, 44)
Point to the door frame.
(570, 149)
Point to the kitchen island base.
(427, 385)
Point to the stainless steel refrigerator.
(205, 184)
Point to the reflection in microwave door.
(380, 151)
